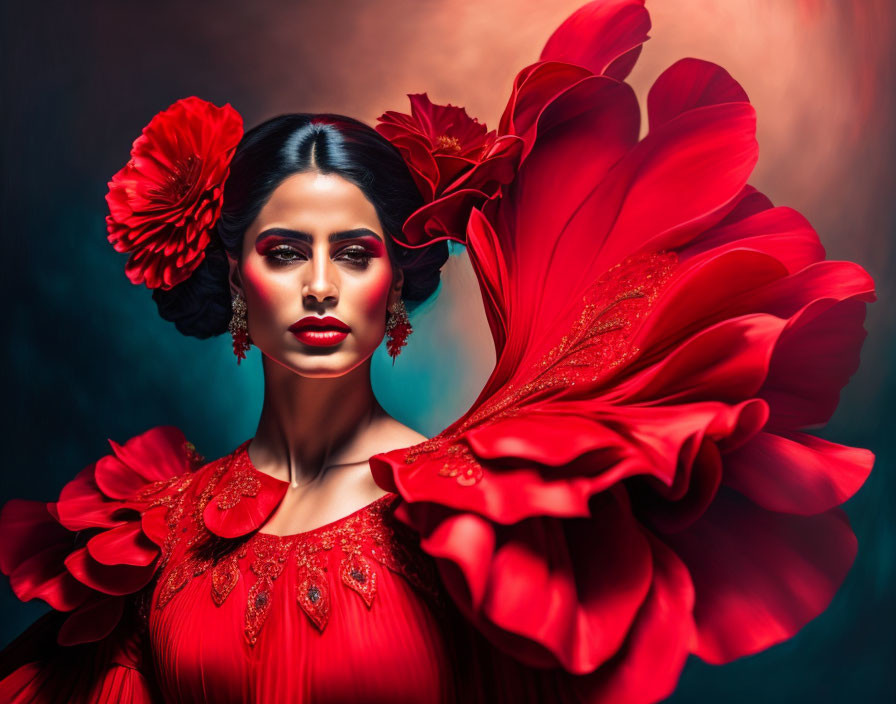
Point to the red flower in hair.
(456, 162)
(165, 201)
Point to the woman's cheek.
(265, 288)
(274, 303)
(374, 293)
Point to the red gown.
(349, 611)
(634, 483)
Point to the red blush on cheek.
(266, 288)
(376, 291)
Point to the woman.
(632, 484)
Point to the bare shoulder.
(392, 435)
(396, 435)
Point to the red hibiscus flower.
(456, 162)
(164, 203)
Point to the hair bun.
(200, 306)
(422, 270)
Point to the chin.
(322, 365)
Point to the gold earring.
(239, 328)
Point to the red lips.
(315, 322)
(319, 332)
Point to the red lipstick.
(319, 332)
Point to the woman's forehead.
(319, 204)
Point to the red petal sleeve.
(35, 669)
(634, 483)
(100, 542)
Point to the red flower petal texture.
(85, 553)
(455, 161)
(164, 202)
(634, 482)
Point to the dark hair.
(264, 158)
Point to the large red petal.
(27, 527)
(669, 188)
(803, 390)
(488, 262)
(759, 576)
(92, 622)
(115, 580)
(534, 88)
(780, 232)
(598, 34)
(688, 84)
(82, 505)
(43, 576)
(647, 667)
(125, 545)
(547, 591)
(796, 472)
(158, 454)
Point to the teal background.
(88, 358)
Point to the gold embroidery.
(365, 539)
(597, 343)
(462, 465)
(243, 482)
(269, 560)
(313, 592)
(357, 573)
(225, 575)
(181, 524)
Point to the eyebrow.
(305, 237)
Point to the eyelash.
(359, 255)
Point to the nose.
(320, 285)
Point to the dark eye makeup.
(282, 253)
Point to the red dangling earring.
(239, 328)
(398, 327)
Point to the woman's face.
(316, 250)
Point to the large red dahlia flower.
(165, 201)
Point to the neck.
(309, 425)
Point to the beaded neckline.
(354, 551)
(241, 454)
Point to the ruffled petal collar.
(243, 497)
